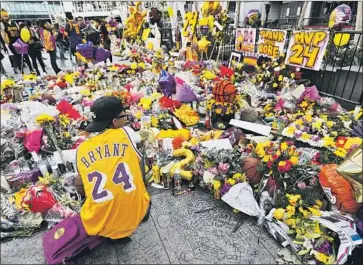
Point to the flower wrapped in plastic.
(37, 198)
(101, 54)
(87, 50)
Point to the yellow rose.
(329, 124)
(290, 222)
(231, 181)
(279, 214)
(266, 158)
(282, 163)
(314, 211)
(290, 211)
(294, 160)
(293, 199)
(284, 146)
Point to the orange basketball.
(224, 91)
(250, 168)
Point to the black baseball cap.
(105, 109)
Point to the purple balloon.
(101, 54)
(20, 47)
(252, 17)
(184, 93)
(86, 50)
(167, 84)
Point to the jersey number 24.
(122, 175)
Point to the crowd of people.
(54, 38)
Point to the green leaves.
(303, 252)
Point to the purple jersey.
(74, 33)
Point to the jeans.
(53, 61)
(37, 55)
(61, 50)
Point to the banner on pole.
(271, 42)
(245, 40)
(307, 49)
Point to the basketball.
(250, 168)
(224, 91)
(249, 114)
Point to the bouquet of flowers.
(313, 241)
(281, 166)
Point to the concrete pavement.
(174, 234)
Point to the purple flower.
(324, 248)
(316, 138)
(298, 134)
(226, 187)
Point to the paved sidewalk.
(174, 234)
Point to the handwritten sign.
(250, 60)
(307, 48)
(271, 42)
(245, 40)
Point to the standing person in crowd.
(2, 47)
(58, 35)
(108, 163)
(73, 32)
(22, 27)
(35, 48)
(82, 23)
(10, 34)
(47, 36)
(105, 38)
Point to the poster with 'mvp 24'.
(271, 42)
(307, 48)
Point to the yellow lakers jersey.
(116, 197)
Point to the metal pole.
(358, 24)
(302, 15)
(237, 14)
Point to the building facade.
(34, 10)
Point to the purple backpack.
(66, 240)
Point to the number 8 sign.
(307, 49)
(122, 176)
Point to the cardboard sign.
(217, 144)
(253, 127)
(245, 40)
(307, 48)
(271, 42)
(250, 60)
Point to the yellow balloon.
(25, 35)
(203, 44)
(341, 39)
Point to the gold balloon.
(135, 21)
(203, 44)
(25, 35)
(341, 39)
